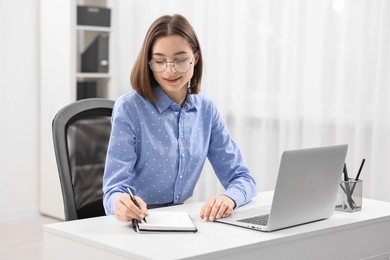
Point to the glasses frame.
(173, 65)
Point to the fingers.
(206, 209)
(217, 207)
(142, 205)
(126, 210)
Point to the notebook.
(165, 221)
(305, 191)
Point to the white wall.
(19, 107)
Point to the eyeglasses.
(180, 65)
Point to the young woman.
(163, 132)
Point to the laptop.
(305, 191)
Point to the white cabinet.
(62, 43)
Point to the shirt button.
(177, 197)
(181, 176)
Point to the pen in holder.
(349, 197)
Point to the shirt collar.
(164, 102)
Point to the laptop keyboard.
(257, 220)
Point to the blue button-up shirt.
(158, 149)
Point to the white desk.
(355, 235)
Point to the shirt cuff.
(237, 196)
(109, 206)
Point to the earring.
(189, 86)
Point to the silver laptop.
(305, 191)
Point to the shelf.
(93, 28)
(93, 75)
(60, 78)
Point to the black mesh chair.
(80, 133)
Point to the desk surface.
(216, 240)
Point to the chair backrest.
(80, 133)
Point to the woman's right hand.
(126, 210)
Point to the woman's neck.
(178, 98)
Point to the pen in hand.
(134, 201)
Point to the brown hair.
(141, 78)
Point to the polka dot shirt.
(158, 149)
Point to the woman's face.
(173, 82)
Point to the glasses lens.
(157, 65)
(182, 65)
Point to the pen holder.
(349, 197)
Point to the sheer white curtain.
(286, 74)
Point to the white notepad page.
(167, 221)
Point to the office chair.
(80, 133)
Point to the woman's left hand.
(217, 207)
